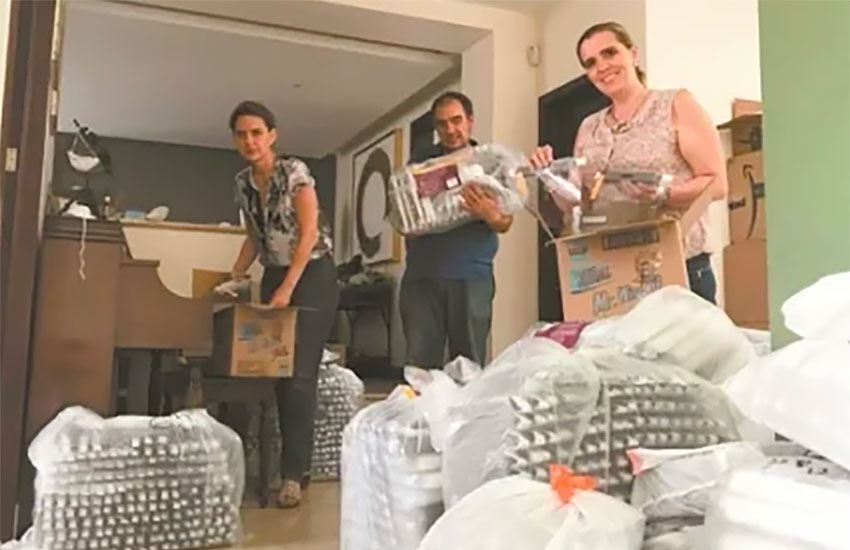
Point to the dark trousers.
(436, 312)
(317, 292)
(701, 277)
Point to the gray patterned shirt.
(274, 227)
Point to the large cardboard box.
(746, 198)
(607, 271)
(745, 282)
(746, 133)
(254, 340)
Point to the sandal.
(289, 495)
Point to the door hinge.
(11, 163)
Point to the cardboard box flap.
(741, 107)
(741, 121)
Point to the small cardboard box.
(745, 283)
(254, 340)
(605, 272)
(746, 133)
(746, 198)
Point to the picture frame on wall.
(372, 166)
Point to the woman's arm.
(306, 204)
(699, 144)
(247, 255)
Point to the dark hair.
(252, 108)
(445, 97)
(619, 32)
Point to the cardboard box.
(607, 271)
(746, 133)
(741, 107)
(745, 282)
(746, 198)
(254, 340)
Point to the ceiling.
(141, 72)
(531, 7)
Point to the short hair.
(445, 97)
(252, 108)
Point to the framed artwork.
(372, 167)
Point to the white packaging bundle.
(674, 483)
(340, 396)
(760, 510)
(391, 483)
(801, 393)
(521, 514)
(136, 483)
(822, 310)
(426, 198)
(675, 326)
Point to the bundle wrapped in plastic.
(520, 514)
(426, 197)
(801, 393)
(391, 484)
(821, 310)
(340, 396)
(639, 404)
(763, 510)
(133, 482)
(677, 327)
(676, 483)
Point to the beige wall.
(5, 7)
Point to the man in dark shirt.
(448, 287)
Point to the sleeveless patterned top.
(647, 142)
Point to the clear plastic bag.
(801, 393)
(762, 510)
(340, 395)
(821, 310)
(391, 484)
(426, 197)
(675, 326)
(136, 482)
(521, 514)
(673, 483)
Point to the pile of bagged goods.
(655, 430)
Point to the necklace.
(622, 126)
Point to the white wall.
(5, 7)
(710, 47)
(561, 28)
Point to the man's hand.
(281, 297)
(482, 204)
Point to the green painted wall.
(805, 65)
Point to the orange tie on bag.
(564, 482)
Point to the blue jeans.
(701, 277)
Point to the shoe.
(289, 495)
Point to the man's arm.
(485, 207)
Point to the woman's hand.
(542, 157)
(281, 297)
(641, 191)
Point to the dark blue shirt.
(465, 252)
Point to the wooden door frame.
(25, 112)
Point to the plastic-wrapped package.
(639, 404)
(760, 339)
(673, 483)
(801, 393)
(520, 514)
(786, 458)
(340, 396)
(482, 414)
(134, 482)
(391, 483)
(760, 510)
(686, 539)
(426, 197)
(821, 310)
(562, 178)
(677, 327)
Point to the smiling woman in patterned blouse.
(288, 232)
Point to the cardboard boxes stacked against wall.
(745, 259)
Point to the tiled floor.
(313, 526)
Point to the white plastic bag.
(678, 327)
(801, 392)
(760, 510)
(519, 514)
(821, 310)
(673, 483)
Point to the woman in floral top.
(289, 234)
